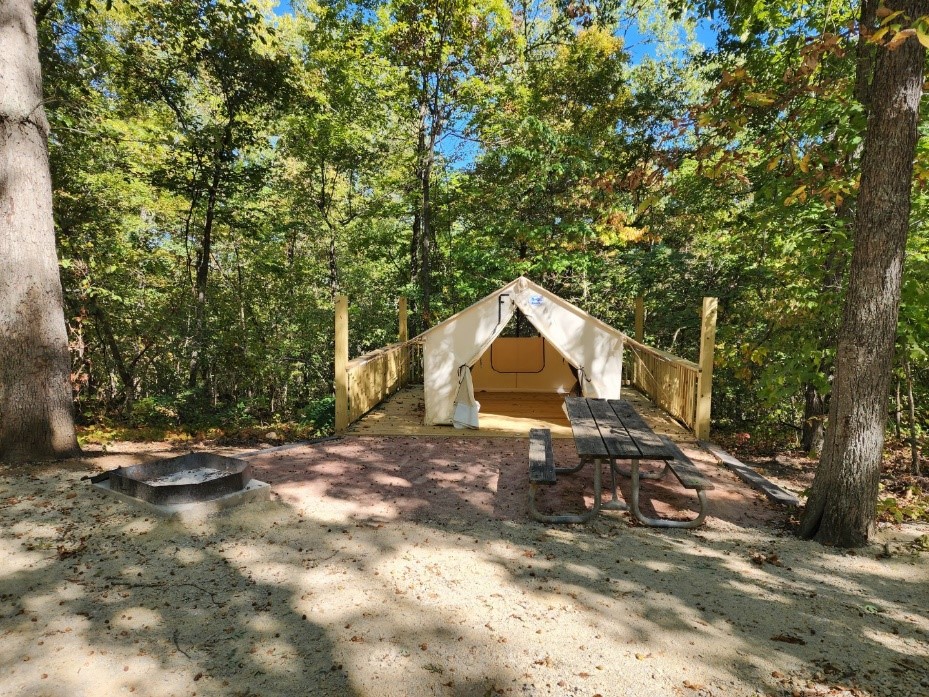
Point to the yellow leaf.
(922, 36)
(878, 35)
(758, 99)
(773, 163)
(805, 163)
(799, 192)
(891, 17)
(649, 201)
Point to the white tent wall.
(594, 348)
(452, 347)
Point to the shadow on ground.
(410, 567)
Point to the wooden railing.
(680, 387)
(376, 375)
(669, 381)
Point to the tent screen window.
(518, 354)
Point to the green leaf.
(891, 17)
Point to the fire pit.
(192, 477)
(184, 483)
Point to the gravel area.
(410, 566)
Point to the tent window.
(518, 355)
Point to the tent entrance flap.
(467, 407)
(595, 351)
(473, 334)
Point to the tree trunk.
(333, 265)
(421, 247)
(36, 416)
(125, 371)
(414, 243)
(425, 244)
(864, 58)
(814, 421)
(914, 446)
(203, 261)
(841, 508)
(897, 412)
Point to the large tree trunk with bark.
(36, 419)
(841, 508)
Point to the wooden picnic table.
(606, 431)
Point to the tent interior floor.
(502, 415)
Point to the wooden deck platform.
(503, 415)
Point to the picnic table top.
(613, 429)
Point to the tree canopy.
(222, 169)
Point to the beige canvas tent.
(451, 349)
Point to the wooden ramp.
(502, 415)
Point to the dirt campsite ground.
(410, 566)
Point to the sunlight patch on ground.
(14, 560)
(137, 618)
(188, 557)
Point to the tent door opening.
(523, 364)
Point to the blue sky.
(637, 44)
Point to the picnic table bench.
(608, 431)
(542, 470)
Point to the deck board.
(503, 415)
(586, 430)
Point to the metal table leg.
(662, 522)
(571, 470)
(643, 475)
(614, 504)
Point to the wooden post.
(640, 337)
(403, 335)
(341, 363)
(705, 380)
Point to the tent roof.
(523, 283)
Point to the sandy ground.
(410, 566)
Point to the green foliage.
(311, 140)
(913, 505)
(154, 411)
